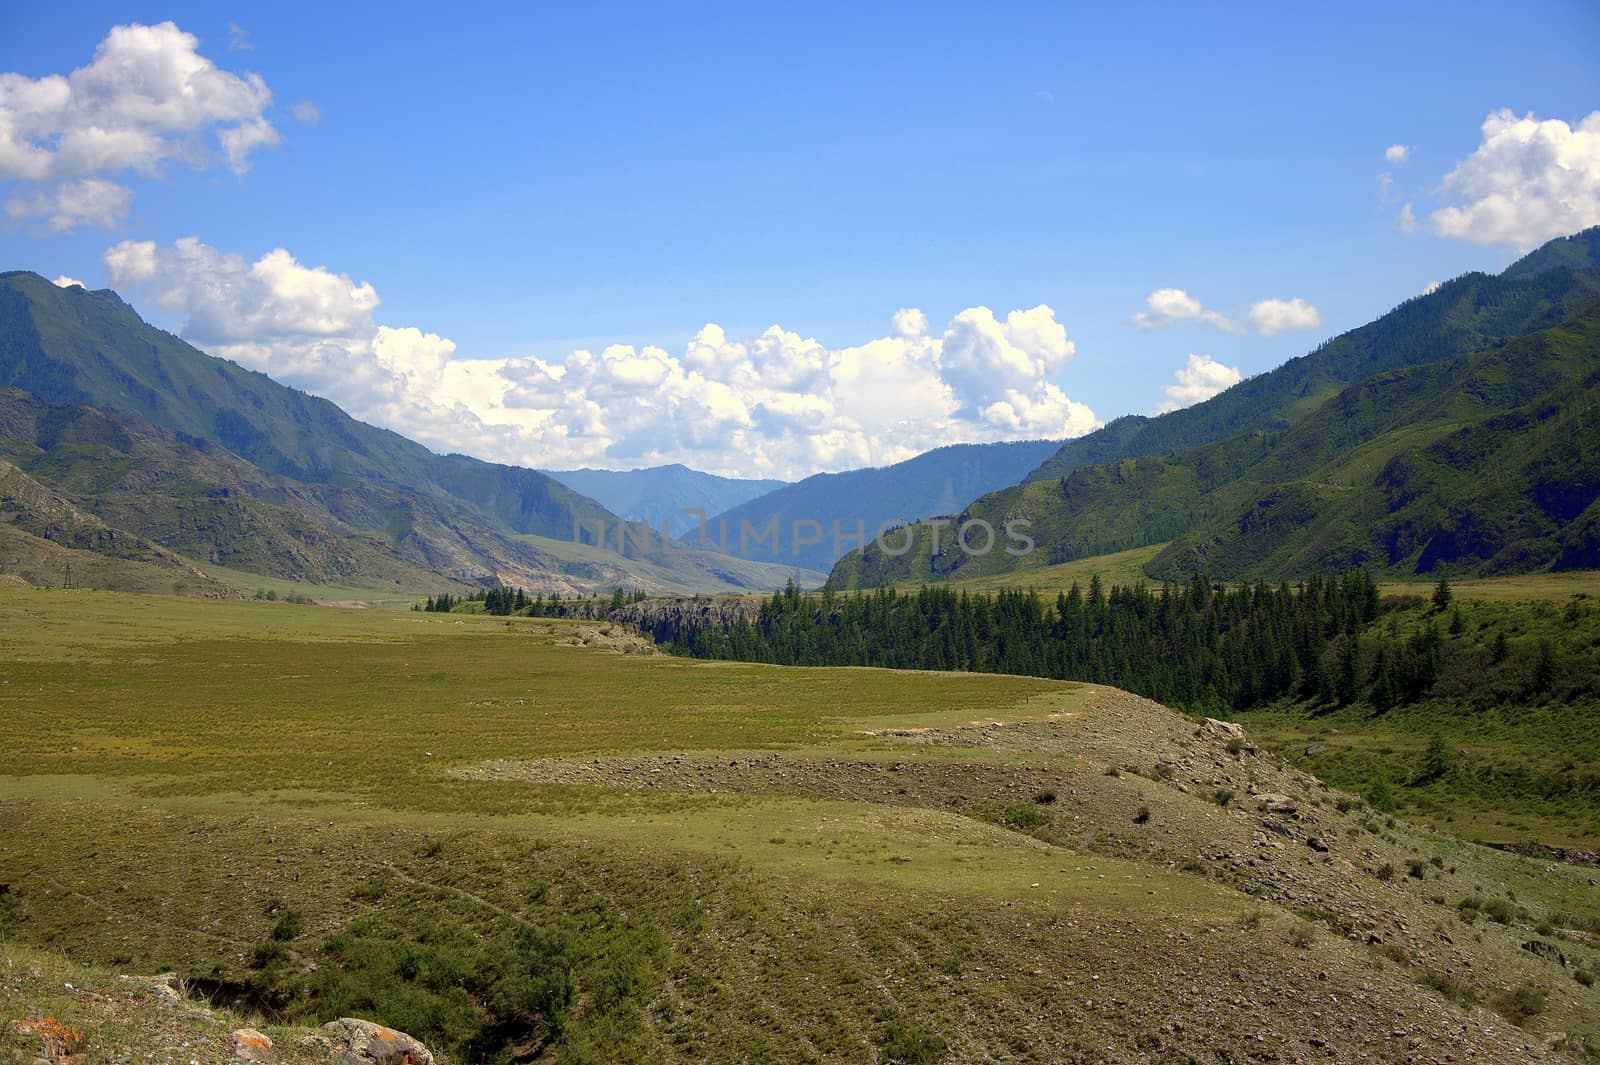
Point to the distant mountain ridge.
(1351, 455)
(933, 483)
(659, 495)
(224, 465)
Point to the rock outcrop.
(358, 1042)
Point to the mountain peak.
(1580, 251)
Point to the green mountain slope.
(1304, 493)
(1462, 315)
(935, 482)
(47, 541)
(226, 466)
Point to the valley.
(690, 849)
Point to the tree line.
(1194, 645)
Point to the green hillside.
(1463, 315)
(227, 467)
(1480, 462)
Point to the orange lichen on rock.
(59, 1044)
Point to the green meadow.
(527, 839)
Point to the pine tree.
(1441, 595)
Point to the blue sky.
(547, 180)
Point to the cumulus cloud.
(1397, 153)
(1529, 181)
(1165, 306)
(64, 207)
(1274, 316)
(1406, 220)
(1199, 378)
(777, 404)
(68, 282)
(148, 96)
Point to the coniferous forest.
(1198, 646)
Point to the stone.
(1274, 803)
(359, 1042)
(1226, 728)
(251, 1045)
(1316, 844)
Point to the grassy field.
(1556, 587)
(508, 837)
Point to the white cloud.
(1397, 153)
(1528, 182)
(1406, 220)
(68, 282)
(775, 404)
(1199, 378)
(1165, 306)
(909, 322)
(1433, 286)
(239, 38)
(63, 208)
(147, 97)
(1274, 316)
(307, 112)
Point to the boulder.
(358, 1042)
(1274, 803)
(251, 1045)
(1225, 728)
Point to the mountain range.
(659, 495)
(107, 421)
(1457, 433)
(856, 501)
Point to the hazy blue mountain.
(661, 493)
(933, 483)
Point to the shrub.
(1045, 797)
(1584, 977)
(1301, 935)
(1416, 869)
(1450, 987)
(1142, 816)
(1522, 1002)
(1222, 796)
(1385, 871)
(288, 926)
(268, 954)
(1022, 816)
